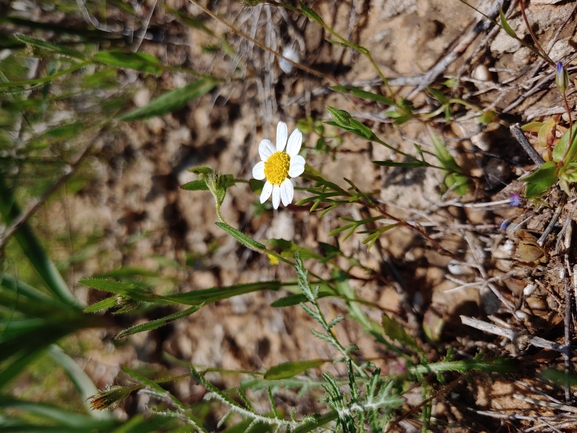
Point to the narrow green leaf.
(153, 324)
(341, 229)
(80, 379)
(506, 25)
(215, 294)
(241, 237)
(360, 93)
(438, 95)
(172, 100)
(62, 418)
(289, 369)
(308, 12)
(143, 62)
(32, 248)
(411, 164)
(50, 47)
(292, 300)
(102, 305)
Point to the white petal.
(266, 149)
(297, 166)
(287, 192)
(281, 136)
(266, 192)
(258, 171)
(295, 142)
(275, 196)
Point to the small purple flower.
(514, 200)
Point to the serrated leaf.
(290, 369)
(143, 62)
(171, 100)
(241, 237)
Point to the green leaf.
(143, 62)
(308, 12)
(559, 150)
(396, 332)
(454, 178)
(32, 248)
(195, 185)
(50, 47)
(102, 305)
(541, 179)
(153, 324)
(202, 170)
(487, 117)
(411, 164)
(289, 369)
(438, 95)
(506, 25)
(62, 418)
(214, 294)
(172, 100)
(292, 300)
(355, 91)
(341, 117)
(80, 379)
(241, 237)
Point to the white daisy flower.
(279, 165)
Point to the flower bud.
(561, 77)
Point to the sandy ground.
(145, 220)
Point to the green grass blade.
(55, 414)
(33, 249)
(81, 381)
(171, 100)
(289, 369)
(138, 61)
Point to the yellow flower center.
(276, 168)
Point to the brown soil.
(149, 222)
